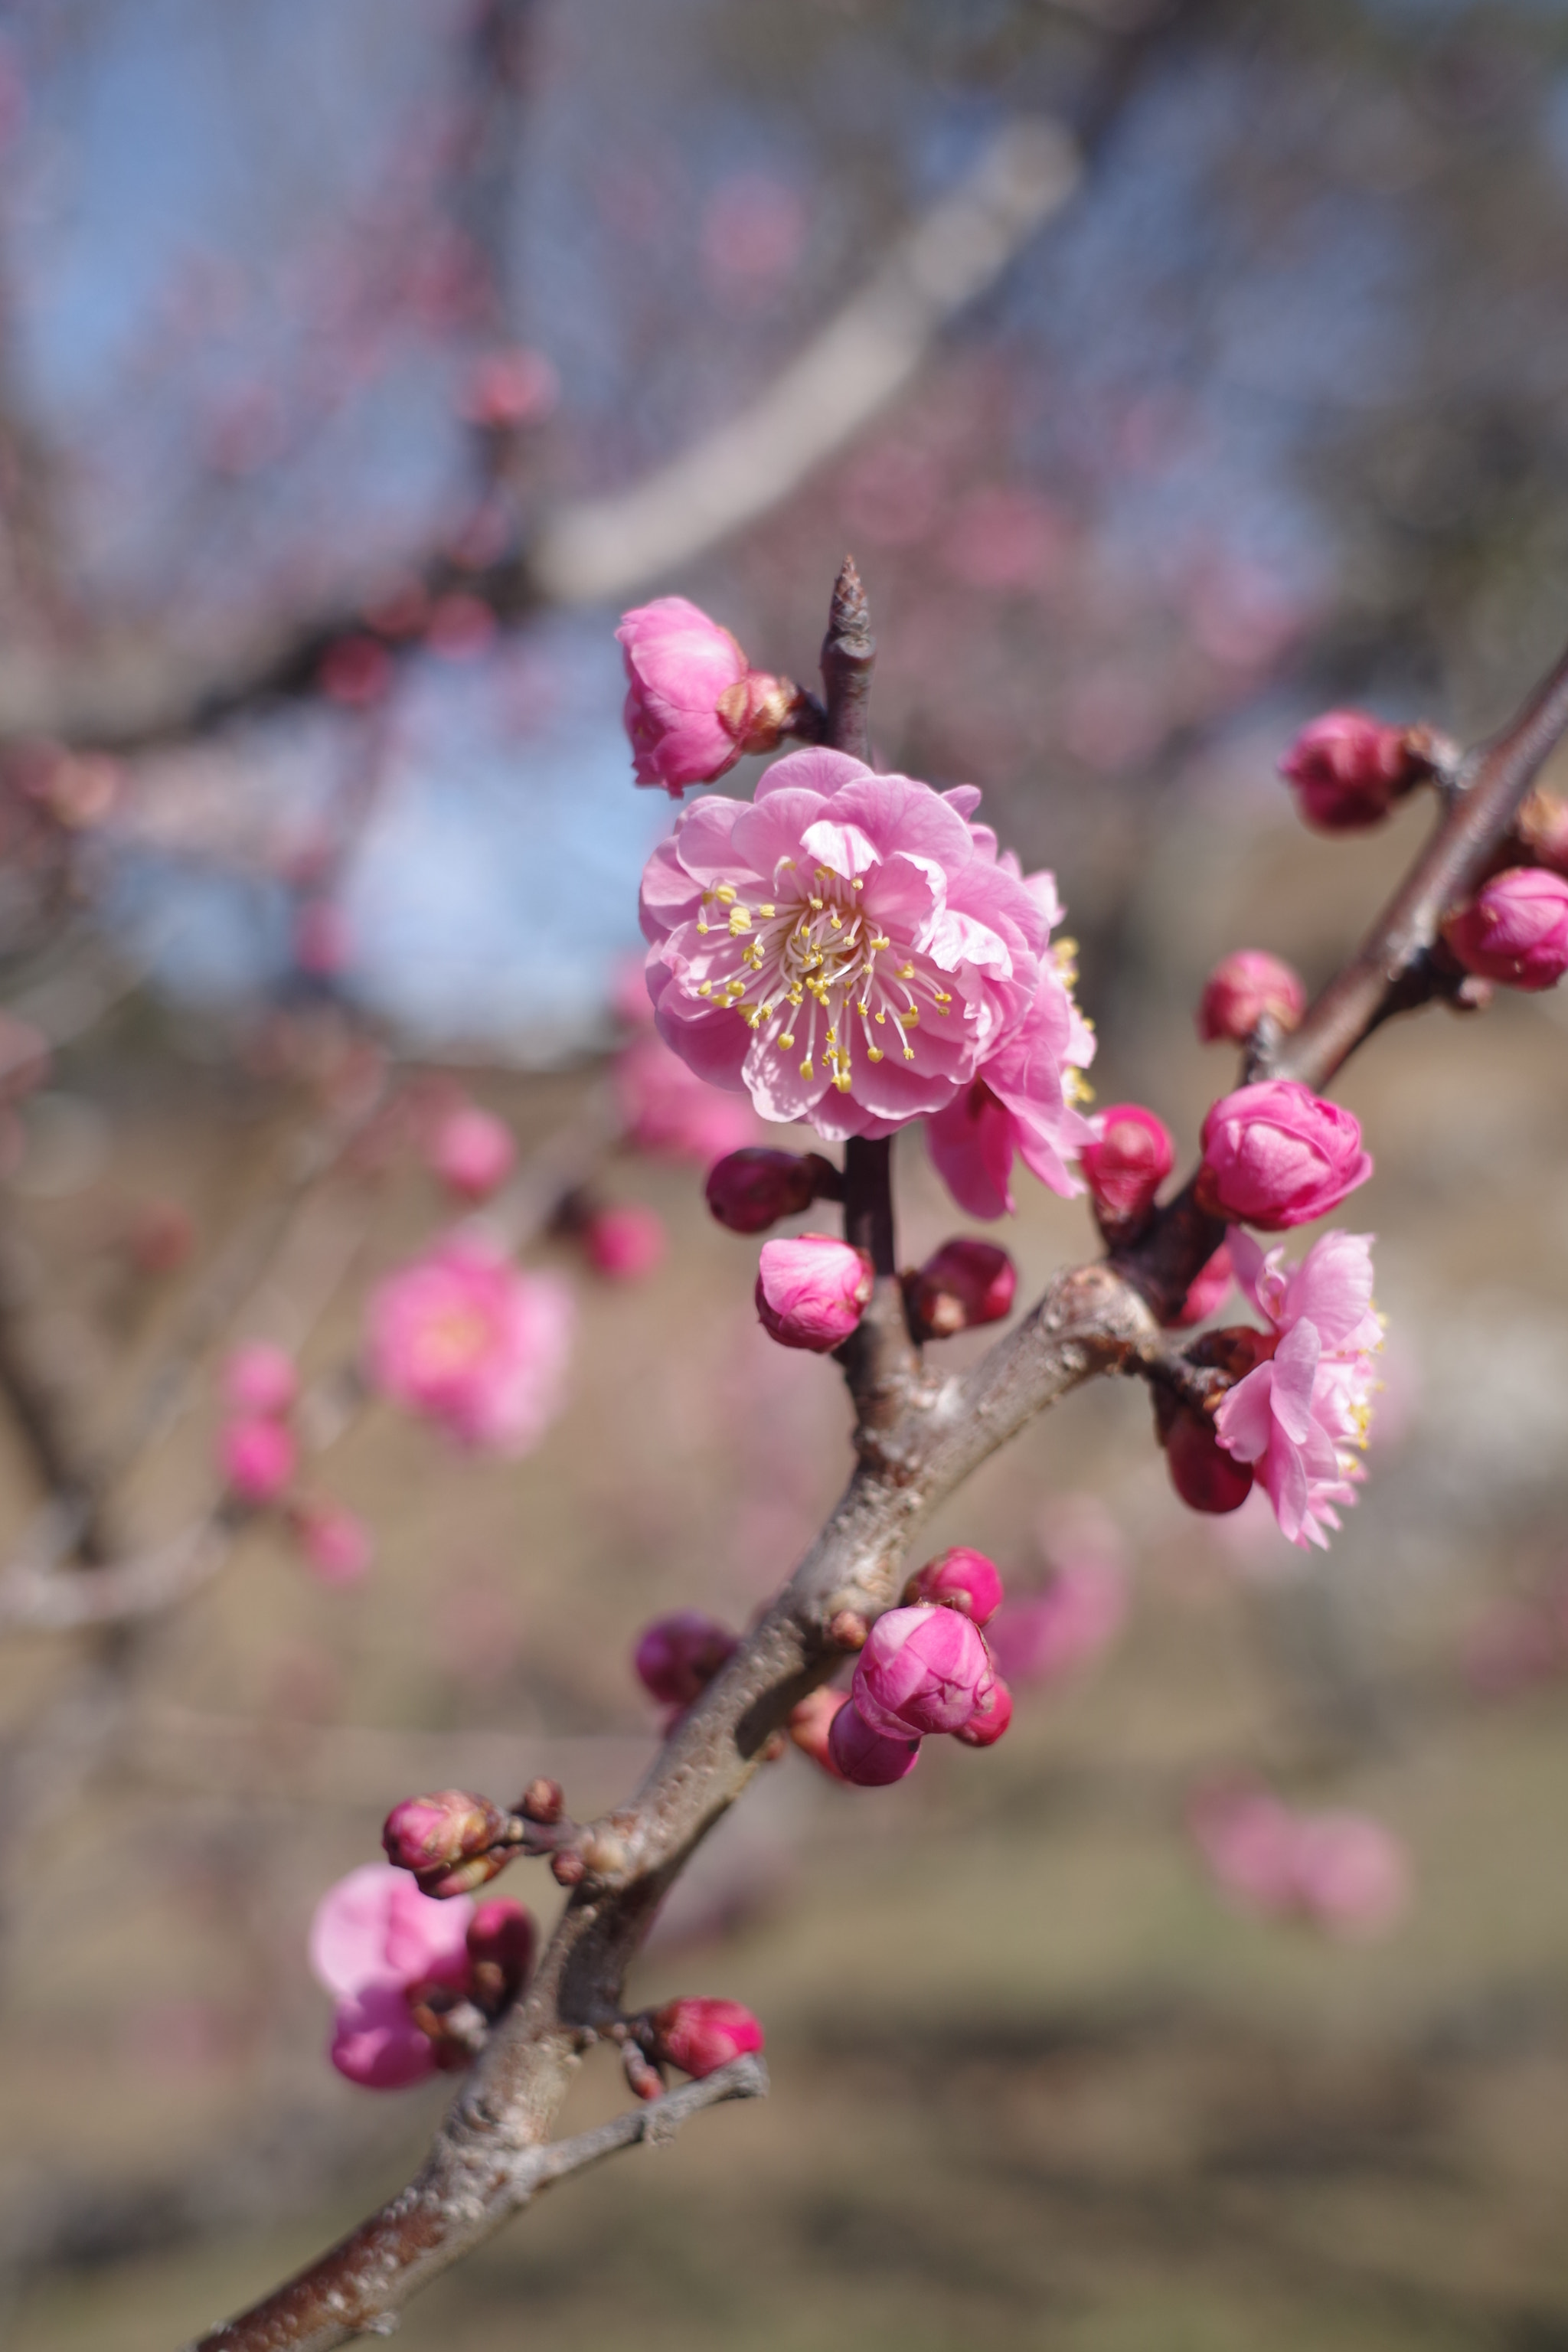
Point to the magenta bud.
(428, 1834)
(260, 1381)
(1349, 769)
(812, 1291)
(625, 1242)
(1126, 1164)
(472, 1152)
(1515, 928)
(677, 1656)
(502, 1939)
(961, 1285)
(993, 1713)
(700, 2036)
(921, 1671)
(811, 1727)
(1276, 1155)
(957, 1579)
(258, 1459)
(1241, 989)
(1205, 1476)
(867, 1759)
(749, 1190)
(694, 702)
(1209, 1291)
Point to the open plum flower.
(848, 950)
(374, 1934)
(463, 1338)
(1295, 1417)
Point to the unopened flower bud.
(677, 1656)
(957, 1579)
(338, 1546)
(751, 1189)
(1515, 928)
(1208, 1290)
(1543, 829)
(867, 1759)
(568, 1868)
(500, 1940)
(701, 2036)
(811, 1291)
(1241, 989)
(1125, 1167)
(259, 1382)
(258, 1459)
(430, 1835)
(811, 1727)
(1349, 769)
(847, 1629)
(471, 1152)
(921, 1671)
(1276, 1155)
(625, 1242)
(543, 1801)
(1205, 1476)
(961, 1285)
(694, 702)
(993, 1713)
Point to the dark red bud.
(1205, 1476)
(500, 1941)
(677, 1656)
(749, 1190)
(961, 1285)
(543, 1800)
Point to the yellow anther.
(858, 884)
(880, 1016)
(842, 1080)
(701, 924)
(725, 894)
(785, 1040)
(740, 920)
(879, 942)
(825, 874)
(817, 904)
(909, 1020)
(836, 918)
(1075, 1087)
(806, 1067)
(906, 972)
(833, 1037)
(767, 908)
(875, 1054)
(908, 1053)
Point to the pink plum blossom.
(1338, 1871)
(1293, 1417)
(625, 1242)
(1276, 1154)
(922, 1670)
(257, 1458)
(849, 949)
(472, 1152)
(812, 1290)
(672, 1113)
(701, 2036)
(694, 702)
(1047, 1635)
(1515, 928)
(1241, 989)
(465, 1339)
(373, 1936)
(260, 1381)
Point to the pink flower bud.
(811, 1291)
(1276, 1155)
(356, 671)
(427, 1836)
(701, 2036)
(502, 1939)
(259, 1382)
(811, 1727)
(993, 1713)
(1126, 1164)
(472, 1152)
(957, 1579)
(749, 1190)
(693, 704)
(1543, 829)
(867, 1759)
(1241, 989)
(257, 1458)
(961, 1285)
(1204, 1476)
(677, 1656)
(1210, 1286)
(921, 1671)
(624, 1242)
(337, 1545)
(1515, 928)
(1348, 770)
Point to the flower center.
(812, 969)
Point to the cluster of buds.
(1348, 768)
(749, 1190)
(454, 1842)
(258, 1454)
(922, 1669)
(698, 2035)
(694, 703)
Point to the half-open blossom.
(1209, 1287)
(1295, 1417)
(964, 1284)
(701, 2036)
(672, 1113)
(922, 1670)
(626, 1241)
(1041, 1637)
(677, 1656)
(1276, 1154)
(1515, 928)
(1241, 989)
(471, 1151)
(257, 1458)
(1348, 770)
(373, 1937)
(1341, 1871)
(751, 1190)
(465, 1339)
(694, 702)
(1126, 1161)
(260, 1381)
(993, 1713)
(848, 949)
(812, 1290)
(865, 1757)
(957, 1579)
